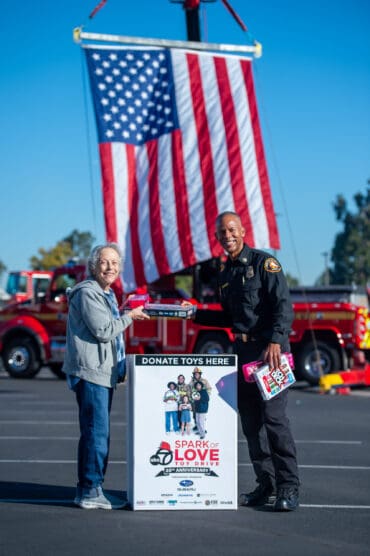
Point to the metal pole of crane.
(192, 23)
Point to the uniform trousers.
(265, 425)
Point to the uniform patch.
(271, 265)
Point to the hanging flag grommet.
(77, 34)
(258, 49)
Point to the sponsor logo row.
(173, 502)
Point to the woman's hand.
(138, 313)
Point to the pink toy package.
(270, 382)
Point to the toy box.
(169, 310)
(270, 382)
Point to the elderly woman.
(94, 363)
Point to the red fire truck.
(24, 285)
(330, 332)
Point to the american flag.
(180, 142)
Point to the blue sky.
(313, 91)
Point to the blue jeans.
(172, 416)
(94, 404)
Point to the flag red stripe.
(233, 149)
(133, 211)
(204, 146)
(158, 243)
(261, 159)
(109, 198)
(182, 201)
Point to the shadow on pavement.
(39, 494)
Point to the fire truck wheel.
(213, 342)
(311, 364)
(56, 368)
(21, 359)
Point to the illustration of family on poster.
(186, 405)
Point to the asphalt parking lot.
(38, 440)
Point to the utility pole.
(325, 254)
(191, 8)
(192, 20)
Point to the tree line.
(76, 246)
(347, 263)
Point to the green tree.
(48, 259)
(351, 252)
(291, 280)
(80, 242)
(75, 245)
(325, 278)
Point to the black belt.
(244, 337)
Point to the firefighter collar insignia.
(250, 272)
(271, 265)
(222, 267)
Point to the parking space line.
(350, 442)
(335, 506)
(15, 437)
(339, 467)
(120, 462)
(47, 423)
(39, 438)
(331, 442)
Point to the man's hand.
(273, 356)
(185, 303)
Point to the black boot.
(260, 496)
(286, 500)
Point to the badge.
(271, 265)
(250, 272)
(222, 266)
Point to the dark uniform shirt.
(255, 297)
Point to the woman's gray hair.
(94, 257)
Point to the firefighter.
(256, 304)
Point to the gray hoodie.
(91, 352)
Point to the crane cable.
(290, 232)
(97, 8)
(87, 128)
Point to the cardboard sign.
(171, 465)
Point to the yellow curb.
(327, 381)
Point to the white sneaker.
(100, 500)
